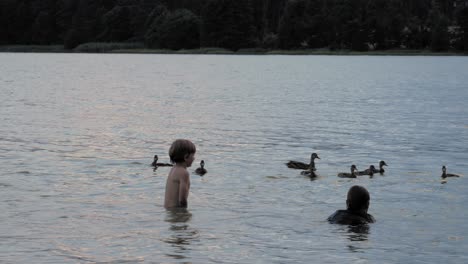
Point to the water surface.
(78, 132)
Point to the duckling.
(381, 169)
(445, 174)
(349, 175)
(310, 173)
(303, 166)
(369, 171)
(201, 171)
(156, 164)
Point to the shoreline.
(116, 48)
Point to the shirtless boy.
(182, 155)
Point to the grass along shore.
(138, 48)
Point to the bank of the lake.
(138, 48)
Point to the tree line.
(360, 25)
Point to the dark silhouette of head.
(358, 199)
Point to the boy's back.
(346, 217)
(177, 187)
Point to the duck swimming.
(156, 164)
(369, 171)
(445, 174)
(349, 175)
(303, 166)
(310, 173)
(201, 171)
(381, 169)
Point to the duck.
(303, 166)
(201, 171)
(369, 171)
(310, 173)
(381, 169)
(445, 174)
(156, 164)
(349, 175)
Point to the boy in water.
(357, 205)
(182, 154)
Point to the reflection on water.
(356, 235)
(178, 215)
(181, 234)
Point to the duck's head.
(353, 168)
(155, 157)
(202, 163)
(444, 170)
(382, 163)
(314, 156)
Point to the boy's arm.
(184, 188)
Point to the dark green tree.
(139, 13)
(22, 23)
(43, 29)
(116, 24)
(64, 11)
(7, 17)
(440, 35)
(386, 23)
(153, 23)
(178, 30)
(439, 29)
(416, 34)
(461, 16)
(228, 24)
(314, 24)
(272, 12)
(86, 23)
(292, 26)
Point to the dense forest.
(360, 25)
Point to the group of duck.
(199, 171)
(310, 170)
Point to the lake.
(78, 133)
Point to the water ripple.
(76, 145)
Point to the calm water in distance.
(78, 132)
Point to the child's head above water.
(180, 150)
(358, 198)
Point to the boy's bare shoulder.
(184, 173)
(179, 172)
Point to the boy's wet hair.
(358, 198)
(179, 149)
